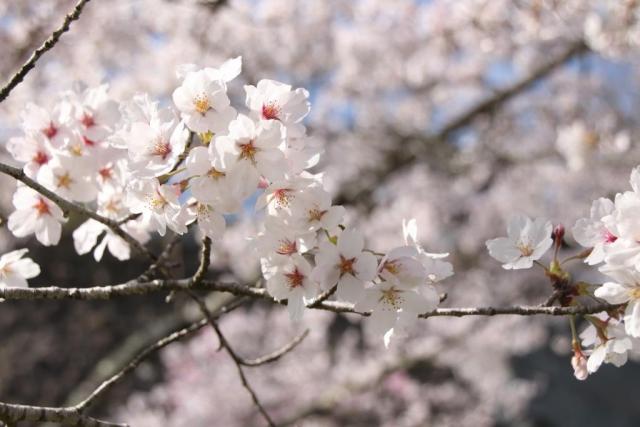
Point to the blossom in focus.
(159, 203)
(254, 148)
(203, 103)
(36, 121)
(15, 270)
(390, 303)
(345, 264)
(526, 242)
(272, 100)
(213, 183)
(155, 148)
(292, 281)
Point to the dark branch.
(48, 44)
(237, 360)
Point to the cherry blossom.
(624, 289)
(15, 270)
(159, 203)
(255, 149)
(609, 341)
(527, 242)
(272, 100)
(593, 233)
(35, 214)
(292, 281)
(346, 265)
(203, 103)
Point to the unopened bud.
(579, 364)
(558, 234)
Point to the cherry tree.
(317, 179)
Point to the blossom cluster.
(154, 168)
(611, 235)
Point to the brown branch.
(12, 413)
(144, 288)
(323, 297)
(151, 349)
(67, 207)
(360, 189)
(205, 259)
(48, 44)
(237, 360)
(272, 357)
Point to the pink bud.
(558, 233)
(579, 363)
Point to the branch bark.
(144, 288)
(48, 44)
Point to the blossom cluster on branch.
(151, 168)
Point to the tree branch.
(360, 189)
(67, 207)
(272, 357)
(144, 354)
(144, 288)
(12, 413)
(48, 44)
(234, 356)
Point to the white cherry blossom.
(527, 242)
(292, 281)
(203, 103)
(272, 100)
(345, 264)
(625, 288)
(15, 270)
(68, 181)
(35, 214)
(159, 203)
(255, 149)
(593, 233)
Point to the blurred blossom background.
(459, 113)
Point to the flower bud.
(558, 234)
(579, 364)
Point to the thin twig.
(205, 259)
(323, 297)
(144, 354)
(67, 207)
(236, 359)
(17, 78)
(272, 357)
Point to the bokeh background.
(459, 113)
